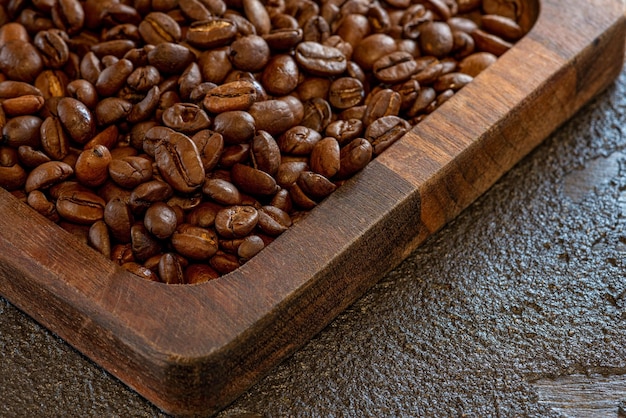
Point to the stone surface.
(526, 285)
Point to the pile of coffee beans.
(180, 137)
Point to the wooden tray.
(193, 349)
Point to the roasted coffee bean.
(346, 92)
(12, 177)
(77, 119)
(210, 146)
(222, 191)
(83, 91)
(130, 171)
(179, 162)
(265, 153)
(20, 61)
(317, 114)
(143, 244)
(23, 105)
(490, 43)
(236, 221)
(236, 95)
(194, 242)
(147, 193)
(22, 130)
(68, 15)
(385, 102)
(45, 175)
(249, 53)
(253, 181)
(11, 88)
(233, 154)
(325, 157)
(315, 185)
(112, 110)
(385, 131)
(199, 273)
(52, 47)
(354, 157)
(160, 220)
(273, 116)
(80, 207)
(322, 60)
(170, 58)
(38, 201)
(99, 238)
(345, 130)
(158, 27)
(119, 218)
(187, 118)
(235, 126)
(372, 48)
(140, 271)
(211, 33)
(298, 140)
(281, 75)
(30, 157)
(453, 81)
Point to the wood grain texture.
(192, 349)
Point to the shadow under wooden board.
(192, 349)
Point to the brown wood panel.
(193, 349)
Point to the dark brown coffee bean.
(194, 242)
(490, 43)
(273, 220)
(385, 102)
(20, 61)
(38, 201)
(298, 140)
(83, 91)
(99, 238)
(395, 67)
(179, 162)
(143, 244)
(211, 33)
(80, 207)
(236, 95)
(46, 175)
(436, 39)
(222, 191)
(23, 105)
(236, 221)
(68, 15)
(371, 48)
(131, 171)
(160, 220)
(30, 157)
(265, 153)
(354, 157)
(194, 10)
(233, 154)
(144, 78)
(122, 254)
(170, 58)
(346, 92)
(250, 53)
(474, 64)
(325, 157)
(210, 146)
(187, 118)
(318, 59)
(283, 39)
(12, 177)
(252, 181)
(147, 193)
(425, 97)
(140, 271)
(112, 110)
(454, 81)
(345, 131)
(273, 116)
(146, 107)
(158, 27)
(235, 126)
(52, 47)
(288, 172)
(119, 218)
(280, 76)
(300, 199)
(92, 166)
(11, 88)
(189, 80)
(385, 131)
(224, 263)
(77, 120)
(317, 114)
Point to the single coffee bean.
(436, 39)
(112, 110)
(20, 61)
(80, 207)
(253, 181)
(236, 95)
(288, 172)
(250, 53)
(490, 43)
(53, 48)
(158, 27)
(236, 221)
(30, 157)
(354, 157)
(345, 130)
(273, 116)
(147, 193)
(12, 177)
(394, 67)
(119, 218)
(280, 76)
(222, 191)
(194, 242)
(325, 157)
(371, 48)
(199, 273)
(211, 33)
(143, 244)
(179, 162)
(317, 114)
(235, 126)
(385, 131)
(265, 153)
(141, 271)
(68, 15)
(38, 201)
(298, 140)
(23, 105)
(160, 220)
(77, 119)
(385, 102)
(45, 175)
(346, 92)
(315, 185)
(475, 63)
(318, 59)
(187, 118)
(99, 238)
(131, 171)
(210, 146)
(170, 58)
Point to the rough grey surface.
(528, 283)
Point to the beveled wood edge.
(115, 325)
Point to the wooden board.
(192, 349)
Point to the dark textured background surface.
(528, 283)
